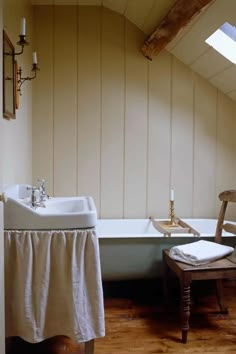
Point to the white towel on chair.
(200, 252)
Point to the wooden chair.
(217, 270)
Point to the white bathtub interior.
(125, 227)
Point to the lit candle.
(172, 195)
(35, 58)
(23, 26)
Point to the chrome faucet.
(42, 191)
(33, 197)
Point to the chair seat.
(220, 263)
(223, 268)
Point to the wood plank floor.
(138, 322)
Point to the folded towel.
(200, 252)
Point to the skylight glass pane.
(224, 41)
(229, 30)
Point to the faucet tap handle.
(42, 182)
(31, 188)
(42, 190)
(33, 195)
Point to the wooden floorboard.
(137, 321)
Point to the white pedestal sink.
(58, 213)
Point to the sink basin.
(58, 213)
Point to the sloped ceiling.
(189, 45)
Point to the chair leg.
(165, 283)
(220, 296)
(89, 347)
(185, 309)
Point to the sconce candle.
(172, 195)
(22, 42)
(35, 61)
(23, 26)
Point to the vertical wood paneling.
(43, 97)
(204, 189)
(89, 102)
(112, 153)
(65, 100)
(226, 146)
(135, 125)
(159, 136)
(111, 124)
(182, 138)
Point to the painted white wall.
(16, 152)
(109, 123)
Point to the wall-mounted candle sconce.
(18, 74)
(21, 79)
(22, 42)
(13, 78)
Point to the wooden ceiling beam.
(176, 19)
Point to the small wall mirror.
(9, 80)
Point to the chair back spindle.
(225, 197)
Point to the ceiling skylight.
(224, 41)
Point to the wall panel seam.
(171, 121)
(77, 104)
(217, 147)
(124, 136)
(101, 18)
(147, 136)
(53, 101)
(193, 147)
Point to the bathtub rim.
(156, 233)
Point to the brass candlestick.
(172, 213)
